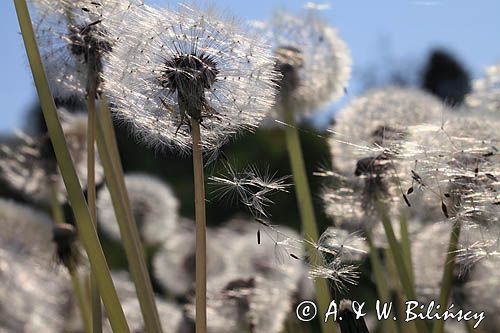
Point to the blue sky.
(408, 29)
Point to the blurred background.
(438, 46)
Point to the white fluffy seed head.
(454, 165)
(68, 32)
(377, 122)
(172, 66)
(154, 206)
(30, 167)
(313, 59)
(26, 230)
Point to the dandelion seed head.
(154, 206)
(171, 66)
(69, 32)
(376, 124)
(313, 59)
(454, 164)
(31, 169)
(25, 230)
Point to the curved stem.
(85, 224)
(201, 237)
(307, 215)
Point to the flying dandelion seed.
(172, 66)
(313, 59)
(69, 33)
(31, 168)
(251, 187)
(154, 205)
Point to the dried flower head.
(485, 95)
(172, 66)
(31, 168)
(73, 33)
(314, 61)
(154, 205)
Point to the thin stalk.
(404, 275)
(201, 230)
(406, 246)
(447, 280)
(81, 299)
(85, 224)
(307, 215)
(58, 217)
(134, 250)
(381, 284)
(91, 185)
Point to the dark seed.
(406, 200)
(410, 191)
(445, 210)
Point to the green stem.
(201, 237)
(404, 275)
(82, 300)
(406, 247)
(85, 224)
(134, 250)
(307, 215)
(381, 283)
(91, 185)
(447, 281)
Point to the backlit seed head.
(169, 67)
(154, 206)
(30, 166)
(70, 33)
(313, 59)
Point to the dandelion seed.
(250, 187)
(313, 59)
(31, 168)
(172, 66)
(154, 205)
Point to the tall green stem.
(307, 215)
(91, 185)
(85, 224)
(401, 267)
(381, 284)
(201, 237)
(447, 281)
(128, 227)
